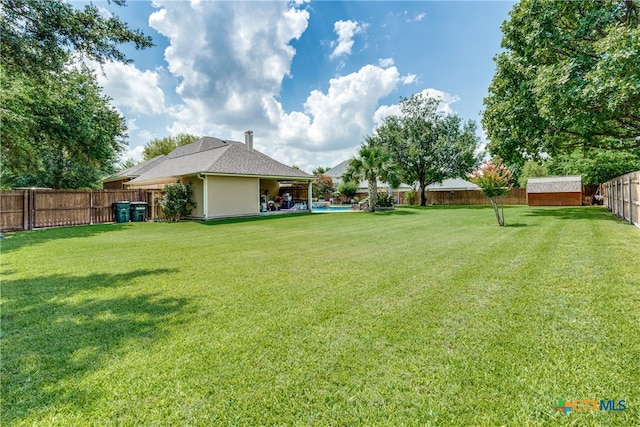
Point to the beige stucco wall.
(196, 186)
(233, 196)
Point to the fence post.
(614, 185)
(630, 201)
(32, 208)
(622, 198)
(25, 210)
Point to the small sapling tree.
(495, 181)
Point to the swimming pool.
(332, 209)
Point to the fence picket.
(622, 197)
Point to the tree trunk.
(373, 193)
(497, 212)
(423, 195)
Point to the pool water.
(332, 209)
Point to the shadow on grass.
(240, 220)
(53, 335)
(573, 213)
(450, 207)
(396, 212)
(18, 239)
(517, 225)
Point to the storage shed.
(555, 191)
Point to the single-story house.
(336, 172)
(555, 191)
(229, 178)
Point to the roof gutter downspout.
(205, 194)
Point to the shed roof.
(555, 184)
(210, 155)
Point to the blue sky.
(311, 79)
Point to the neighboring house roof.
(215, 156)
(338, 170)
(135, 171)
(452, 184)
(555, 184)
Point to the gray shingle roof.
(452, 184)
(137, 170)
(555, 184)
(217, 156)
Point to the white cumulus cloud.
(131, 88)
(345, 30)
(343, 115)
(229, 56)
(230, 59)
(386, 62)
(446, 101)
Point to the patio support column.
(309, 196)
(205, 196)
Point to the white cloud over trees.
(227, 62)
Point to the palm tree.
(371, 163)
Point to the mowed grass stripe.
(421, 316)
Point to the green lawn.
(420, 316)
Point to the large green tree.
(371, 163)
(57, 128)
(427, 146)
(60, 132)
(568, 77)
(159, 146)
(595, 166)
(40, 37)
(531, 169)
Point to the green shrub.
(176, 201)
(384, 200)
(348, 189)
(411, 197)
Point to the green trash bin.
(121, 211)
(139, 211)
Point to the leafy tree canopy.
(427, 146)
(57, 129)
(595, 167)
(531, 169)
(126, 164)
(58, 132)
(568, 78)
(41, 36)
(159, 146)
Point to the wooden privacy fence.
(622, 197)
(516, 196)
(33, 208)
